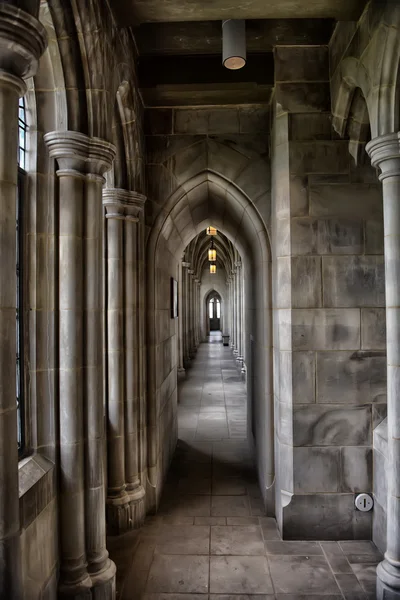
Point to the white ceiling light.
(234, 43)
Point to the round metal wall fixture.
(364, 502)
(234, 43)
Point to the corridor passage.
(210, 539)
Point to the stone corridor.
(210, 539)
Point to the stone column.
(235, 310)
(181, 368)
(22, 41)
(125, 506)
(197, 312)
(239, 313)
(190, 313)
(85, 568)
(186, 324)
(385, 154)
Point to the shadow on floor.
(210, 539)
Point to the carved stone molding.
(23, 40)
(78, 152)
(123, 204)
(385, 154)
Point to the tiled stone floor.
(210, 540)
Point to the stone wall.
(329, 318)
(166, 356)
(64, 95)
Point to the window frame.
(23, 413)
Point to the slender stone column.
(186, 324)
(134, 486)
(239, 313)
(85, 568)
(117, 497)
(190, 313)
(385, 154)
(141, 349)
(197, 312)
(22, 41)
(235, 309)
(125, 506)
(181, 369)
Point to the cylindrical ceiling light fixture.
(212, 253)
(211, 231)
(234, 43)
(213, 268)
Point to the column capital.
(186, 264)
(233, 271)
(385, 154)
(23, 40)
(197, 281)
(238, 264)
(191, 272)
(78, 152)
(123, 204)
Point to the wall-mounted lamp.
(212, 253)
(211, 231)
(234, 43)
(213, 268)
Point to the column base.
(104, 584)
(181, 372)
(75, 591)
(137, 507)
(118, 514)
(388, 581)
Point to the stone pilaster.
(192, 347)
(385, 154)
(186, 321)
(197, 312)
(85, 570)
(239, 323)
(181, 368)
(22, 42)
(235, 311)
(125, 498)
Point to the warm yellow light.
(234, 63)
(212, 255)
(211, 231)
(213, 268)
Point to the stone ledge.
(36, 487)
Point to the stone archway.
(209, 199)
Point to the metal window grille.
(22, 131)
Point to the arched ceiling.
(197, 252)
(209, 199)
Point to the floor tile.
(240, 575)
(183, 539)
(349, 583)
(228, 486)
(366, 575)
(175, 597)
(302, 574)
(237, 540)
(230, 506)
(189, 505)
(179, 574)
(242, 597)
(293, 548)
